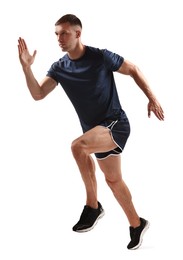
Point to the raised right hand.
(25, 58)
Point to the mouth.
(61, 45)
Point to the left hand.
(155, 107)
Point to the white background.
(41, 192)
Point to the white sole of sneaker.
(141, 236)
(90, 228)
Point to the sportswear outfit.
(89, 84)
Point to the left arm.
(128, 68)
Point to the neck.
(77, 53)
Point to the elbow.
(134, 71)
(37, 97)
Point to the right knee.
(112, 183)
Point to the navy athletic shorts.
(120, 131)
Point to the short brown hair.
(69, 18)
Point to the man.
(86, 75)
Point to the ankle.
(92, 204)
(135, 223)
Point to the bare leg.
(111, 167)
(97, 139)
(87, 168)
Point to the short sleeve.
(112, 60)
(52, 73)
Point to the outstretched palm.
(25, 58)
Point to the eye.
(63, 33)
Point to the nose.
(58, 38)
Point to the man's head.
(69, 18)
(68, 30)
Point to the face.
(67, 36)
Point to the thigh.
(111, 167)
(97, 140)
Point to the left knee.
(78, 148)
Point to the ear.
(78, 34)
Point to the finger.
(34, 53)
(22, 44)
(149, 113)
(159, 115)
(20, 47)
(19, 50)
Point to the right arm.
(38, 91)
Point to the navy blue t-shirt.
(89, 83)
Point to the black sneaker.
(89, 218)
(137, 233)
